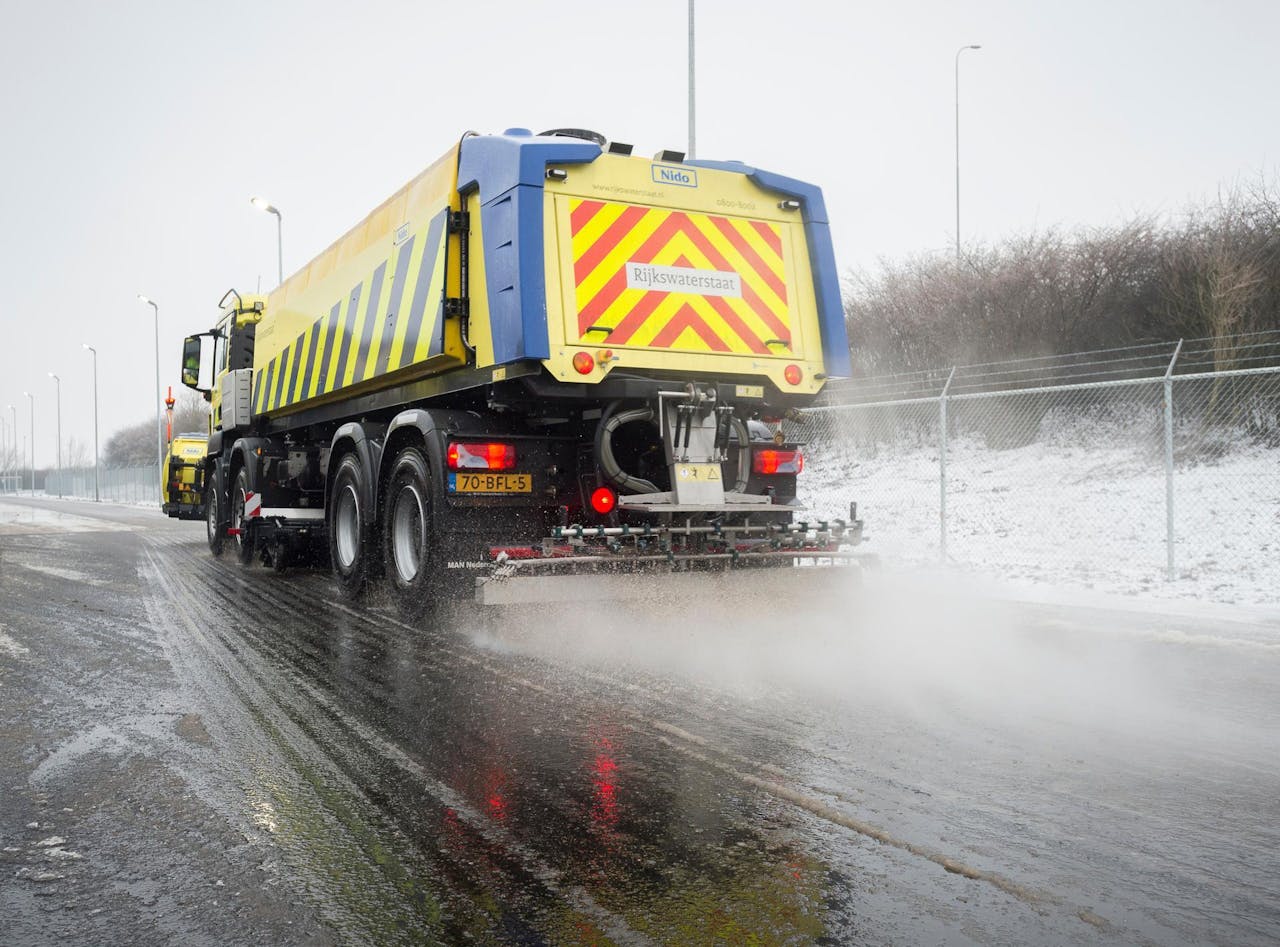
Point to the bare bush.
(76, 453)
(133, 446)
(190, 413)
(1216, 271)
(137, 445)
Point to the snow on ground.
(17, 520)
(1088, 511)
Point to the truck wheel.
(212, 517)
(408, 535)
(348, 526)
(244, 540)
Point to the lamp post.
(958, 52)
(263, 205)
(13, 412)
(692, 136)
(58, 382)
(97, 498)
(32, 399)
(159, 430)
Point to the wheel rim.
(237, 515)
(211, 517)
(407, 519)
(346, 526)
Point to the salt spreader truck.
(542, 366)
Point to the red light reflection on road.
(496, 795)
(604, 812)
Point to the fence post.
(942, 468)
(1168, 458)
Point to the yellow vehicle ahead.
(544, 355)
(183, 477)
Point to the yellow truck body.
(647, 265)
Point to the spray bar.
(837, 528)
(510, 566)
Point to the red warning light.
(603, 500)
(583, 363)
(770, 462)
(486, 456)
(792, 374)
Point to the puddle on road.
(98, 739)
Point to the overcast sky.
(134, 134)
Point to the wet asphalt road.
(195, 753)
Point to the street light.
(14, 414)
(159, 429)
(32, 399)
(58, 381)
(692, 147)
(16, 460)
(262, 205)
(958, 52)
(89, 348)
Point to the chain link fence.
(1150, 467)
(138, 485)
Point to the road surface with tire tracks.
(199, 753)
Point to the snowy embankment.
(1067, 511)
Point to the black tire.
(278, 557)
(243, 546)
(213, 518)
(349, 526)
(409, 544)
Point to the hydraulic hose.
(744, 453)
(613, 472)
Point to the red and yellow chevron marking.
(607, 236)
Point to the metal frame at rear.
(585, 555)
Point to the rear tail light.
(793, 374)
(486, 456)
(770, 461)
(603, 500)
(583, 363)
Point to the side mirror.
(197, 362)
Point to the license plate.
(490, 483)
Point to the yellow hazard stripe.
(434, 311)
(362, 337)
(606, 236)
(371, 337)
(295, 383)
(620, 254)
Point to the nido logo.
(681, 177)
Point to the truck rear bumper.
(184, 511)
